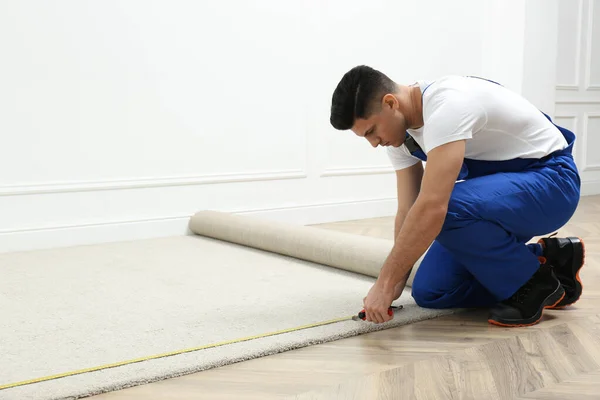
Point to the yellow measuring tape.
(173, 353)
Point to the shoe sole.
(551, 301)
(578, 262)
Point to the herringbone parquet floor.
(452, 357)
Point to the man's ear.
(389, 101)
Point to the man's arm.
(408, 185)
(421, 226)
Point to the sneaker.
(566, 256)
(525, 307)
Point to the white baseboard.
(590, 187)
(113, 231)
(328, 212)
(93, 233)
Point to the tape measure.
(360, 315)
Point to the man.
(498, 173)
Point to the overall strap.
(414, 148)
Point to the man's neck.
(416, 101)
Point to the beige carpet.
(70, 309)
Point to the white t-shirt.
(497, 123)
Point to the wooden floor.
(451, 357)
(560, 361)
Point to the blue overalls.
(481, 255)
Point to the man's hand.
(378, 300)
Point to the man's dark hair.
(357, 94)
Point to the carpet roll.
(361, 254)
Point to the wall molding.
(575, 86)
(588, 64)
(584, 145)
(44, 237)
(577, 101)
(143, 183)
(351, 171)
(567, 87)
(575, 117)
(572, 115)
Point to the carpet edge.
(271, 350)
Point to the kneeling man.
(498, 173)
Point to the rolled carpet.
(361, 254)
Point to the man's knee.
(422, 298)
(467, 294)
(427, 298)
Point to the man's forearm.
(416, 230)
(400, 217)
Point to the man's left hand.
(378, 301)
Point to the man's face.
(386, 127)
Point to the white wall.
(540, 53)
(120, 119)
(549, 51)
(519, 48)
(578, 84)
